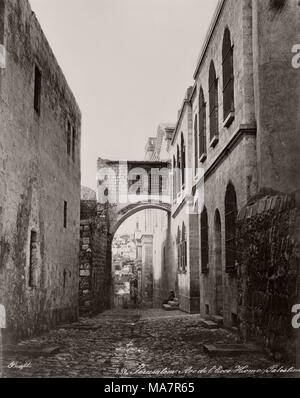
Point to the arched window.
(204, 242)
(213, 105)
(174, 178)
(184, 249)
(228, 76)
(202, 126)
(196, 143)
(178, 243)
(230, 228)
(178, 170)
(183, 160)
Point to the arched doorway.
(218, 263)
(230, 228)
(145, 276)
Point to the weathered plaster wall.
(36, 177)
(158, 223)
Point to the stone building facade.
(100, 218)
(157, 224)
(39, 179)
(237, 138)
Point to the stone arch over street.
(124, 189)
(128, 211)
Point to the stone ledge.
(209, 324)
(278, 203)
(231, 349)
(78, 326)
(32, 351)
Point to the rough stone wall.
(36, 177)
(94, 273)
(269, 272)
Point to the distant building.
(124, 246)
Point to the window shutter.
(228, 75)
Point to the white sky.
(128, 62)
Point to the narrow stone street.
(129, 343)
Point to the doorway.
(218, 264)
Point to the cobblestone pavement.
(132, 344)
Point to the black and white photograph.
(149, 192)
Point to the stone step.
(209, 324)
(217, 319)
(168, 307)
(231, 349)
(173, 304)
(32, 351)
(80, 326)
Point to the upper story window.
(65, 214)
(228, 76)
(196, 143)
(202, 126)
(213, 105)
(37, 90)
